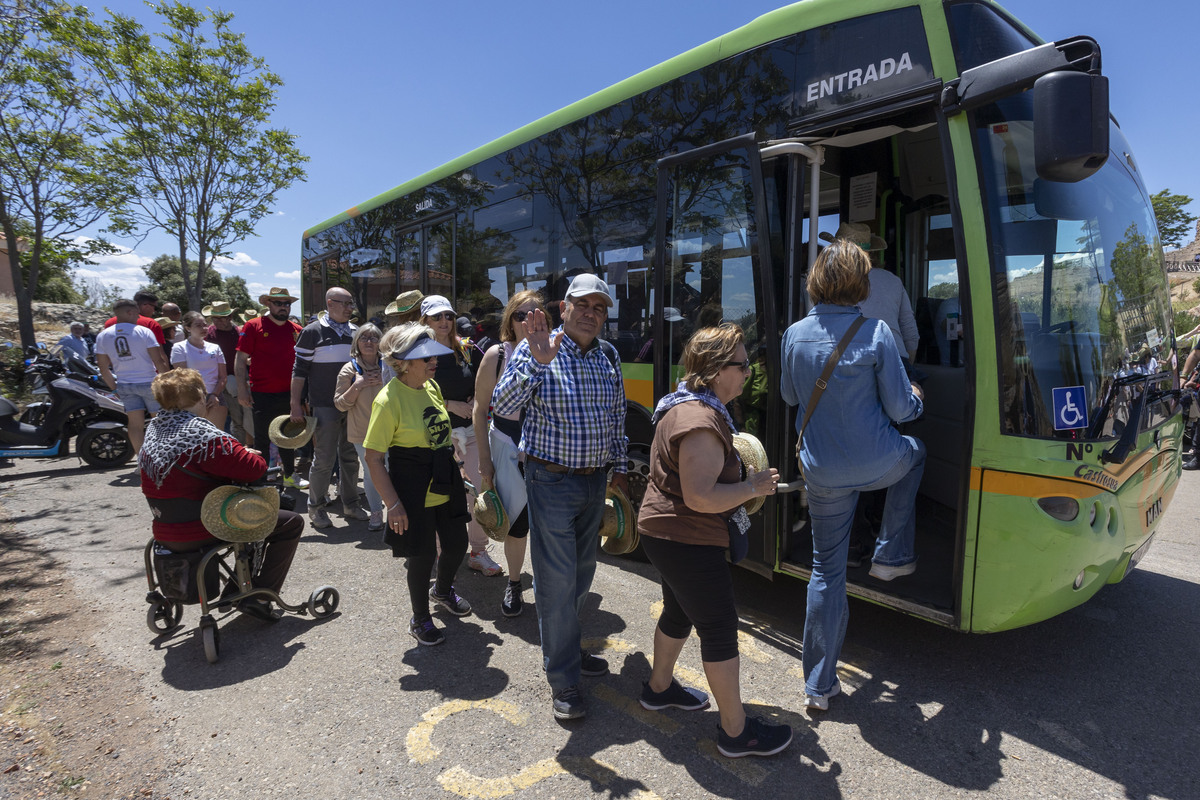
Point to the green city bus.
(1012, 209)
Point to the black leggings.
(697, 588)
(266, 406)
(453, 536)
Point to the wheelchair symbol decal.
(1070, 408)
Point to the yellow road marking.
(462, 783)
(420, 739)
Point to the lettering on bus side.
(1153, 511)
(854, 78)
(1096, 476)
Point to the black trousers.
(697, 588)
(453, 536)
(267, 406)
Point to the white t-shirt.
(206, 361)
(127, 346)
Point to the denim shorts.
(137, 397)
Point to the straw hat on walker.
(491, 516)
(238, 514)
(618, 530)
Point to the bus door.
(425, 256)
(712, 264)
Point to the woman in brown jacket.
(357, 384)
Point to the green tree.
(166, 280)
(193, 144)
(55, 178)
(1174, 223)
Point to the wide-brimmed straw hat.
(250, 313)
(618, 530)
(166, 322)
(404, 302)
(490, 514)
(858, 233)
(754, 457)
(239, 514)
(290, 435)
(218, 309)
(277, 293)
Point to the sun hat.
(424, 347)
(277, 293)
(490, 514)
(240, 514)
(290, 435)
(672, 314)
(618, 530)
(754, 457)
(586, 283)
(250, 313)
(404, 302)
(435, 304)
(165, 322)
(218, 309)
(858, 233)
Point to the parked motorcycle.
(95, 417)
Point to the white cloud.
(294, 275)
(124, 268)
(222, 270)
(238, 260)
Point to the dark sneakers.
(513, 604)
(568, 703)
(592, 666)
(674, 696)
(426, 633)
(259, 608)
(451, 602)
(757, 739)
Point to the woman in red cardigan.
(182, 459)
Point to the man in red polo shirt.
(267, 346)
(147, 303)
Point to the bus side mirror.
(1070, 123)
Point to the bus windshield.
(1077, 278)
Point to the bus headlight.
(1063, 508)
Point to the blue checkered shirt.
(574, 406)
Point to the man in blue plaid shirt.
(569, 385)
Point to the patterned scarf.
(682, 394)
(176, 435)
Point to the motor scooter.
(95, 417)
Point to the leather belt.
(559, 469)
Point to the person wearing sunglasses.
(411, 460)
(455, 376)
(500, 466)
(265, 354)
(322, 349)
(848, 446)
(358, 383)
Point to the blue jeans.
(832, 514)
(565, 512)
(374, 502)
(137, 397)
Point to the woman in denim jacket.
(850, 446)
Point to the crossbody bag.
(823, 382)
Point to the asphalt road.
(1101, 702)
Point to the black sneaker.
(757, 739)
(426, 633)
(674, 696)
(451, 602)
(568, 704)
(1191, 463)
(259, 608)
(592, 666)
(513, 603)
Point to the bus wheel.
(638, 464)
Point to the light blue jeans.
(374, 502)
(565, 512)
(832, 514)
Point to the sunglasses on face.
(744, 366)
(369, 339)
(446, 315)
(342, 302)
(281, 303)
(520, 316)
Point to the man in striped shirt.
(569, 385)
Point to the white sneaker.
(883, 573)
(818, 702)
(294, 481)
(482, 562)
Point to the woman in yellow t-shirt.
(420, 483)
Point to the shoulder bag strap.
(823, 381)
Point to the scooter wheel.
(104, 448)
(323, 602)
(211, 638)
(164, 617)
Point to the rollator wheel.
(323, 602)
(212, 642)
(163, 617)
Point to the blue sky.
(380, 92)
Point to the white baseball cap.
(585, 284)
